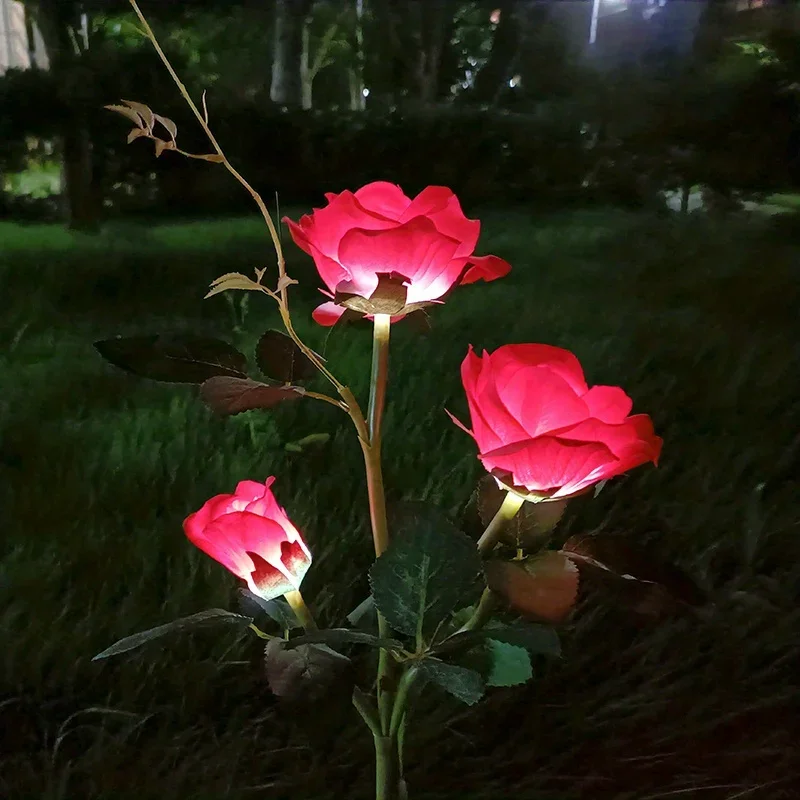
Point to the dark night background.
(637, 162)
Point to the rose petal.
(631, 439)
(561, 361)
(300, 231)
(327, 314)
(233, 534)
(540, 400)
(296, 560)
(268, 581)
(329, 269)
(344, 213)
(252, 489)
(492, 425)
(195, 523)
(485, 268)
(413, 249)
(549, 465)
(384, 198)
(441, 206)
(608, 403)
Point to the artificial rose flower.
(250, 534)
(540, 429)
(425, 244)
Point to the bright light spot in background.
(365, 92)
(515, 81)
(494, 17)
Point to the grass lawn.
(696, 318)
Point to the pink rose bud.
(427, 243)
(539, 428)
(250, 534)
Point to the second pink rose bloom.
(540, 428)
(379, 230)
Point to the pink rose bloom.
(378, 230)
(539, 427)
(250, 535)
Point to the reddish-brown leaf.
(161, 146)
(304, 670)
(631, 576)
(543, 588)
(143, 111)
(171, 127)
(227, 396)
(633, 562)
(127, 112)
(135, 134)
(279, 358)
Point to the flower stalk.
(379, 376)
(511, 504)
(301, 610)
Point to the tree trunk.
(77, 171)
(306, 72)
(289, 54)
(64, 31)
(436, 21)
(686, 193)
(492, 78)
(355, 76)
(392, 49)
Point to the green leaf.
(312, 440)
(511, 665)
(174, 359)
(277, 609)
(339, 636)
(428, 569)
(202, 618)
(464, 684)
(278, 357)
(363, 615)
(536, 639)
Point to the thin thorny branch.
(283, 304)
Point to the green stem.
(387, 777)
(507, 511)
(379, 375)
(482, 613)
(301, 610)
(382, 324)
(401, 700)
(367, 712)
